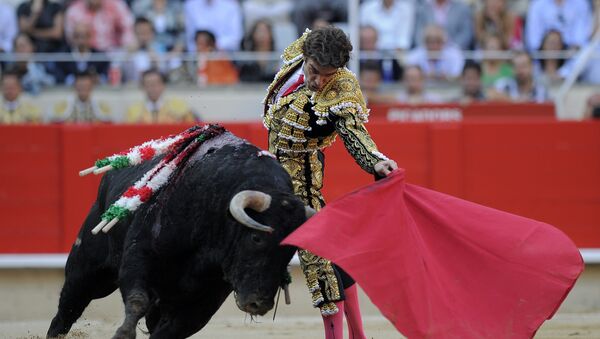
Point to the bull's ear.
(309, 211)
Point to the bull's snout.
(255, 305)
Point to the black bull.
(182, 253)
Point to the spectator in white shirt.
(591, 70)
(438, 59)
(523, 86)
(167, 18)
(454, 16)
(389, 68)
(596, 15)
(590, 73)
(9, 29)
(221, 17)
(572, 18)
(148, 52)
(394, 21)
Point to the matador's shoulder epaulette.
(342, 92)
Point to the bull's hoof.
(124, 334)
(57, 329)
(53, 334)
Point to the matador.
(313, 99)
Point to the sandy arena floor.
(29, 299)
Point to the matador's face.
(317, 76)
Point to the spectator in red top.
(218, 71)
(111, 22)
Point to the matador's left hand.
(383, 168)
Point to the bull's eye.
(256, 239)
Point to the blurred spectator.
(389, 68)
(276, 11)
(454, 16)
(111, 22)
(414, 85)
(493, 67)
(81, 52)
(33, 74)
(572, 18)
(212, 71)
(259, 39)
(470, 83)
(495, 18)
(14, 109)
(590, 73)
(306, 12)
(523, 86)
(394, 21)
(148, 53)
(596, 5)
(9, 29)
(82, 106)
(167, 20)
(43, 21)
(437, 59)
(157, 107)
(370, 83)
(592, 108)
(549, 67)
(319, 23)
(221, 17)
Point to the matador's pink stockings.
(334, 324)
(352, 311)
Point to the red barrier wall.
(446, 112)
(548, 171)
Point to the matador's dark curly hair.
(328, 46)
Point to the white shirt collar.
(154, 105)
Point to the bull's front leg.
(183, 319)
(136, 305)
(133, 278)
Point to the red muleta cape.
(441, 267)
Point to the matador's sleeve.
(341, 101)
(357, 140)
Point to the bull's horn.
(309, 211)
(255, 200)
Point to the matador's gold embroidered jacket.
(300, 125)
